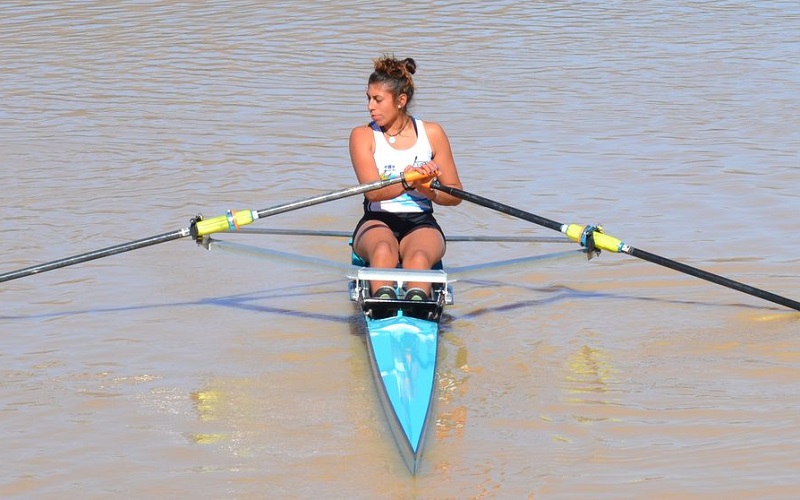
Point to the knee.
(383, 255)
(418, 259)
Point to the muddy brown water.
(171, 372)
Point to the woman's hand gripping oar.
(593, 239)
(198, 227)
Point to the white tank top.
(391, 162)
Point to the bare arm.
(362, 151)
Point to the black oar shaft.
(713, 278)
(96, 254)
(499, 207)
(624, 248)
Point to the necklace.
(392, 137)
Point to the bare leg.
(376, 244)
(421, 249)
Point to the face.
(383, 108)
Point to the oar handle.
(415, 175)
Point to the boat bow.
(402, 340)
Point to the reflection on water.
(173, 372)
(207, 404)
(589, 377)
(452, 379)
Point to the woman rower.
(398, 226)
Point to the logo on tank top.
(388, 171)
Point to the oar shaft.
(234, 219)
(335, 195)
(96, 254)
(713, 278)
(574, 232)
(499, 207)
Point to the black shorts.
(401, 223)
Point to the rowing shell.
(402, 341)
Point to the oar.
(199, 227)
(592, 238)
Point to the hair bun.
(410, 64)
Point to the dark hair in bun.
(395, 74)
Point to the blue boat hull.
(402, 353)
(402, 338)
